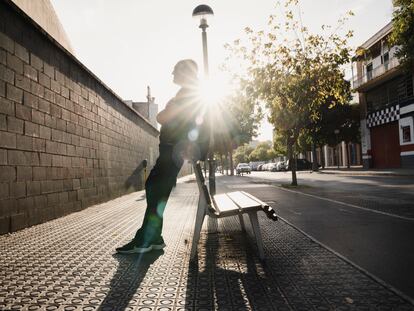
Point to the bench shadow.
(127, 279)
(221, 282)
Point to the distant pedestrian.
(179, 136)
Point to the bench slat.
(245, 202)
(256, 199)
(225, 206)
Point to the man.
(180, 124)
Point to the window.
(386, 57)
(396, 91)
(406, 134)
(409, 83)
(406, 130)
(386, 60)
(369, 71)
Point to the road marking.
(366, 272)
(347, 204)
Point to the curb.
(366, 173)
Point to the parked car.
(243, 168)
(260, 167)
(265, 167)
(272, 167)
(301, 164)
(281, 166)
(254, 165)
(268, 166)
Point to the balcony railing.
(376, 72)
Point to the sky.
(132, 44)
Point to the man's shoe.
(158, 243)
(135, 247)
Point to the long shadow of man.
(127, 279)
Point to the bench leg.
(243, 228)
(256, 229)
(197, 227)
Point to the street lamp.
(337, 148)
(201, 12)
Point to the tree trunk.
(314, 158)
(231, 162)
(227, 163)
(221, 164)
(322, 156)
(292, 163)
(348, 155)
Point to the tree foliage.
(235, 121)
(242, 154)
(263, 152)
(403, 31)
(295, 72)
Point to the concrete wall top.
(43, 13)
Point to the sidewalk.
(69, 264)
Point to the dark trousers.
(158, 186)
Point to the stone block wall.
(66, 140)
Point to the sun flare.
(214, 89)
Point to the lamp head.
(201, 12)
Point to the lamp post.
(337, 148)
(201, 12)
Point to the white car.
(243, 168)
(281, 166)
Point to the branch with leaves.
(295, 72)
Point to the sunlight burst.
(214, 89)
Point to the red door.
(385, 146)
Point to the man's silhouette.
(179, 137)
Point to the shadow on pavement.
(217, 282)
(127, 279)
(136, 179)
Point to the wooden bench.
(225, 205)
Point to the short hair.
(187, 67)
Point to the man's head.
(185, 72)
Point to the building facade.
(387, 104)
(148, 109)
(341, 155)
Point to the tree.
(234, 123)
(343, 118)
(262, 152)
(349, 131)
(242, 154)
(295, 76)
(330, 118)
(403, 31)
(279, 144)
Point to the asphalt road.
(378, 242)
(389, 194)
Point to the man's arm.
(168, 114)
(171, 112)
